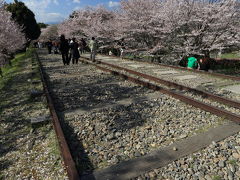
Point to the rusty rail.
(227, 59)
(236, 78)
(204, 94)
(66, 154)
(188, 100)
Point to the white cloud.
(76, 1)
(39, 9)
(38, 4)
(77, 8)
(113, 4)
(52, 17)
(56, 2)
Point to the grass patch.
(53, 144)
(216, 178)
(233, 55)
(31, 153)
(233, 162)
(9, 71)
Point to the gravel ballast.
(108, 120)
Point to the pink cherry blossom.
(153, 26)
(11, 38)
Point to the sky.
(55, 11)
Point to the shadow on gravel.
(12, 121)
(98, 95)
(4, 165)
(128, 117)
(82, 161)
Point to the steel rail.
(204, 94)
(188, 100)
(236, 78)
(66, 154)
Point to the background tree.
(140, 27)
(199, 27)
(25, 18)
(178, 27)
(49, 33)
(91, 22)
(42, 25)
(11, 37)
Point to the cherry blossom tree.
(91, 22)
(50, 32)
(68, 28)
(11, 38)
(153, 26)
(181, 26)
(142, 29)
(199, 27)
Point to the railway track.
(202, 80)
(236, 78)
(65, 152)
(103, 117)
(176, 94)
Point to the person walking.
(122, 48)
(70, 42)
(93, 48)
(82, 45)
(39, 44)
(64, 48)
(49, 46)
(74, 51)
(55, 47)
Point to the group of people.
(70, 49)
(52, 45)
(201, 64)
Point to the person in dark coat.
(49, 46)
(74, 51)
(204, 64)
(64, 48)
(82, 45)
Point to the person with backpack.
(93, 48)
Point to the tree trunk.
(1, 72)
(207, 54)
